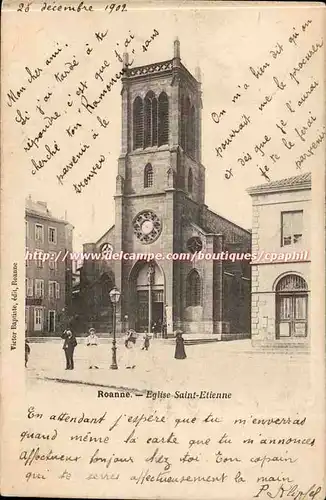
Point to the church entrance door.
(149, 299)
(142, 313)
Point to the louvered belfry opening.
(150, 120)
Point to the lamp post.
(150, 279)
(114, 297)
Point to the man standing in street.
(69, 345)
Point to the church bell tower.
(160, 182)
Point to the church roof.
(213, 223)
(230, 222)
(302, 181)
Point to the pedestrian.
(92, 344)
(164, 328)
(27, 351)
(159, 328)
(180, 352)
(130, 343)
(69, 345)
(146, 338)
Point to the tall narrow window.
(148, 176)
(52, 236)
(29, 287)
(51, 287)
(191, 131)
(138, 123)
(193, 289)
(150, 120)
(39, 261)
(190, 181)
(183, 124)
(39, 233)
(292, 225)
(163, 119)
(188, 126)
(39, 288)
(187, 123)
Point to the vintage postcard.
(163, 250)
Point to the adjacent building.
(48, 281)
(281, 288)
(160, 208)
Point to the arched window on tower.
(163, 119)
(190, 181)
(150, 120)
(138, 123)
(148, 176)
(193, 289)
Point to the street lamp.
(114, 297)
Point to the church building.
(160, 208)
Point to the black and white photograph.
(163, 181)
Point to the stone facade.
(172, 198)
(48, 283)
(271, 324)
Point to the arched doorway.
(147, 286)
(291, 307)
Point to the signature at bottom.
(293, 491)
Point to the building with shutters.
(281, 288)
(160, 208)
(48, 283)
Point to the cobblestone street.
(221, 367)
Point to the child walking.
(146, 339)
(92, 344)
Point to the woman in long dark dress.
(180, 352)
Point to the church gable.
(107, 237)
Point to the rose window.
(147, 226)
